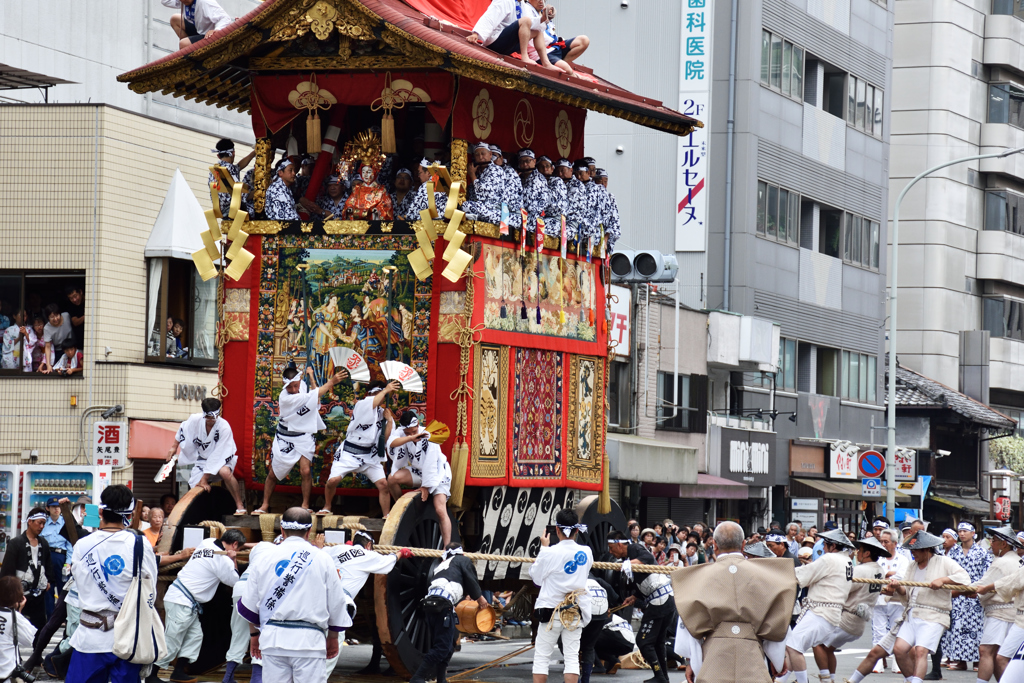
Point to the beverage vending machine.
(10, 477)
(42, 482)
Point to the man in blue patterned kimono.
(558, 199)
(594, 210)
(417, 201)
(967, 621)
(513, 188)
(485, 189)
(402, 194)
(226, 157)
(280, 203)
(536, 195)
(576, 198)
(332, 200)
(612, 226)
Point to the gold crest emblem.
(523, 123)
(563, 133)
(483, 114)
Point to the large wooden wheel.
(598, 525)
(400, 621)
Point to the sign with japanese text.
(871, 487)
(1002, 508)
(618, 325)
(110, 444)
(843, 462)
(692, 150)
(906, 464)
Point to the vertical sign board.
(110, 444)
(618, 326)
(694, 100)
(842, 462)
(906, 464)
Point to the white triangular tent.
(176, 230)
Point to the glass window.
(762, 203)
(848, 239)
(783, 214)
(830, 232)
(854, 376)
(846, 374)
(29, 302)
(827, 371)
(874, 244)
(773, 210)
(181, 314)
(776, 67)
(787, 66)
(794, 217)
(689, 402)
(869, 111)
(872, 379)
(999, 103)
(861, 94)
(995, 210)
(790, 364)
(865, 243)
(766, 40)
(851, 99)
(878, 112)
(863, 384)
(797, 87)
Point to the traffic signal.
(628, 266)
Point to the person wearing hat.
(1007, 588)
(756, 550)
(999, 612)
(828, 586)
(513, 194)
(612, 221)
(819, 544)
(558, 205)
(928, 610)
(536, 193)
(777, 544)
(417, 201)
(225, 152)
(59, 551)
(860, 604)
(961, 643)
(594, 209)
(401, 193)
(485, 187)
(647, 537)
(575, 198)
(332, 200)
(279, 203)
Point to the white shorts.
(294, 669)
(346, 463)
(995, 632)
(287, 450)
(919, 633)
(811, 630)
(200, 468)
(1013, 642)
(839, 638)
(882, 621)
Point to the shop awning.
(845, 490)
(150, 439)
(176, 231)
(973, 506)
(709, 486)
(638, 459)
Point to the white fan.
(403, 374)
(166, 469)
(344, 357)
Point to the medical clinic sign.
(694, 100)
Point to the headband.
(451, 553)
(951, 533)
(335, 180)
(965, 526)
(775, 538)
(615, 541)
(567, 530)
(365, 535)
(295, 526)
(527, 153)
(544, 158)
(38, 515)
(288, 381)
(879, 524)
(220, 152)
(484, 145)
(125, 514)
(414, 423)
(374, 391)
(563, 163)
(211, 413)
(601, 173)
(495, 150)
(425, 163)
(405, 171)
(1020, 536)
(308, 161)
(284, 163)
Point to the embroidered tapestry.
(490, 422)
(586, 418)
(537, 415)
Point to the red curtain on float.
(513, 120)
(462, 13)
(272, 110)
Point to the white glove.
(863, 611)
(627, 569)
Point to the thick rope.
(919, 584)
(216, 528)
(512, 559)
(504, 658)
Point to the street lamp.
(890, 451)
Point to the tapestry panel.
(490, 419)
(537, 415)
(585, 419)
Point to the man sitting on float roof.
(508, 26)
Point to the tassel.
(504, 310)
(561, 316)
(538, 310)
(460, 458)
(313, 145)
(522, 312)
(291, 146)
(604, 499)
(388, 144)
(590, 316)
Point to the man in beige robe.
(999, 612)
(725, 626)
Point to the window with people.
(42, 322)
(181, 314)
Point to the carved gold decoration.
(460, 157)
(346, 227)
(358, 63)
(307, 226)
(266, 227)
(387, 226)
(261, 173)
(344, 48)
(321, 19)
(236, 48)
(480, 228)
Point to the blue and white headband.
(425, 163)
(567, 530)
(126, 513)
(405, 171)
(879, 524)
(563, 163)
(283, 164)
(38, 515)
(223, 152)
(211, 413)
(295, 526)
(951, 532)
(362, 534)
(413, 423)
(451, 553)
(774, 538)
(965, 526)
(1020, 536)
(617, 541)
(333, 180)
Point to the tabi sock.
(857, 677)
(801, 676)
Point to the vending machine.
(10, 477)
(42, 482)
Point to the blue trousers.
(101, 667)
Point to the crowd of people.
(48, 340)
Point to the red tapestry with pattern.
(537, 425)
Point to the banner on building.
(110, 444)
(618, 327)
(748, 457)
(692, 150)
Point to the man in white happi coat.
(859, 607)
(208, 445)
(561, 571)
(420, 463)
(1008, 588)
(358, 453)
(928, 611)
(239, 646)
(295, 605)
(828, 582)
(999, 611)
(298, 420)
(212, 563)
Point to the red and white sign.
(906, 464)
(618, 327)
(110, 444)
(871, 464)
(1002, 508)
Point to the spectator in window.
(28, 558)
(156, 526)
(175, 331)
(225, 152)
(34, 356)
(5, 320)
(11, 353)
(508, 27)
(70, 362)
(198, 19)
(56, 333)
(76, 309)
(280, 204)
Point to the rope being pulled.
(919, 584)
(512, 559)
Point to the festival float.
(506, 334)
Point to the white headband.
(567, 530)
(374, 391)
(211, 413)
(451, 553)
(425, 163)
(38, 515)
(365, 535)
(413, 423)
(294, 526)
(950, 532)
(288, 381)
(965, 526)
(775, 538)
(219, 152)
(615, 541)
(405, 171)
(125, 514)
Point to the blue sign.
(871, 488)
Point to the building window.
(782, 65)
(181, 314)
(42, 318)
(785, 378)
(1003, 317)
(860, 241)
(864, 106)
(690, 403)
(778, 213)
(619, 393)
(827, 367)
(1014, 7)
(830, 232)
(1005, 102)
(859, 376)
(1004, 210)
